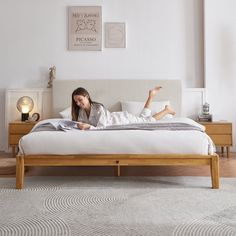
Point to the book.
(205, 118)
(67, 125)
(56, 124)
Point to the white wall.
(220, 59)
(164, 41)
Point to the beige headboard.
(112, 92)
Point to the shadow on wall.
(194, 39)
(227, 56)
(3, 133)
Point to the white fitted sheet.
(116, 142)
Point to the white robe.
(100, 117)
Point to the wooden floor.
(227, 169)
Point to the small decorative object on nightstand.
(205, 115)
(16, 130)
(35, 117)
(221, 134)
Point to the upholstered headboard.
(112, 92)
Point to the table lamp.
(25, 105)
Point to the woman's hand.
(83, 126)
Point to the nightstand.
(16, 130)
(220, 133)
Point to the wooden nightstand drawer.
(218, 128)
(20, 129)
(16, 130)
(224, 140)
(14, 139)
(220, 133)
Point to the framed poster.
(85, 28)
(115, 35)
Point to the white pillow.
(66, 113)
(136, 108)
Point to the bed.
(117, 147)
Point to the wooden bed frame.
(110, 93)
(117, 160)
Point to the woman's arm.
(83, 126)
(100, 118)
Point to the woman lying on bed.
(92, 114)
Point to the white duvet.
(76, 141)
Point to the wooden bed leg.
(118, 170)
(215, 172)
(20, 172)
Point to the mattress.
(78, 142)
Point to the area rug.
(76, 205)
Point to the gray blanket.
(151, 126)
(133, 126)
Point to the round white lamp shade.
(25, 105)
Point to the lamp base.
(24, 116)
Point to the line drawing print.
(86, 25)
(85, 28)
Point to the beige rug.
(118, 206)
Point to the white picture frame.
(115, 35)
(85, 28)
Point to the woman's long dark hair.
(74, 107)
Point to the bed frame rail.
(117, 160)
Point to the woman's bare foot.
(169, 110)
(153, 91)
